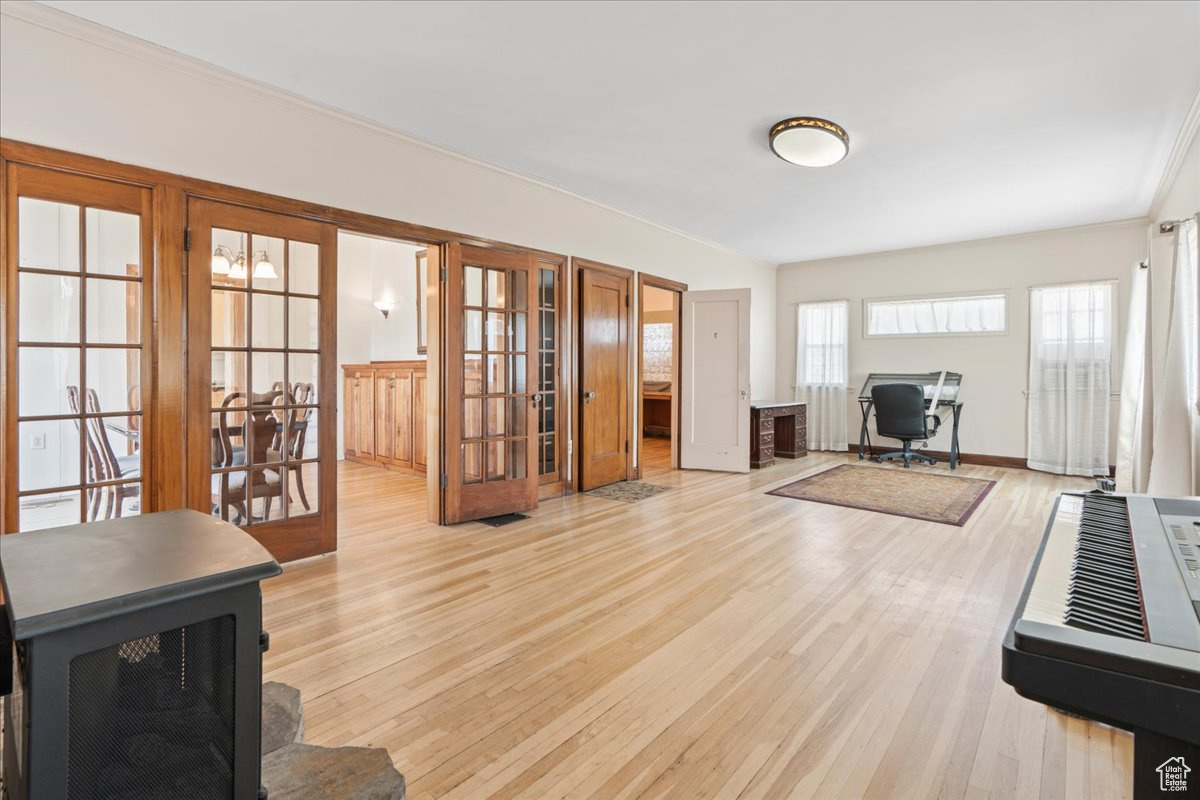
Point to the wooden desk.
(777, 430)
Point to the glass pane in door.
(266, 341)
(79, 359)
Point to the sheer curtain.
(1070, 363)
(1135, 430)
(979, 314)
(822, 330)
(1175, 461)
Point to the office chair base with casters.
(908, 455)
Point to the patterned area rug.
(628, 491)
(901, 492)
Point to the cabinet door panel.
(401, 422)
(366, 413)
(420, 458)
(385, 440)
(350, 404)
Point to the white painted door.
(715, 351)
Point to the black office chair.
(900, 414)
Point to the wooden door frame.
(643, 280)
(578, 266)
(167, 412)
(85, 191)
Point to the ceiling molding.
(1096, 226)
(1183, 143)
(76, 27)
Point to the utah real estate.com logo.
(1172, 775)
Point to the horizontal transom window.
(937, 316)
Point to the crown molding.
(92, 33)
(1141, 222)
(1183, 143)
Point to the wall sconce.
(385, 306)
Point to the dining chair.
(103, 464)
(237, 490)
(289, 441)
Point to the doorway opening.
(382, 330)
(659, 309)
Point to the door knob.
(537, 400)
(587, 396)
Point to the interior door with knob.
(490, 425)
(715, 356)
(604, 378)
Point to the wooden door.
(79, 350)
(715, 356)
(261, 310)
(490, 427)
(604, 378)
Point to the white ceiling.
(966, 120)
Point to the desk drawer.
(766, 439)
(766, 424)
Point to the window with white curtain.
(933, 316)
(822, 332)
(1071, 330)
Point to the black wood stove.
(136, 660)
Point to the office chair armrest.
(936, 423)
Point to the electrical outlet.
(39, 441)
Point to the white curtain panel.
(822, 333)
(1174, 468)
(1135, 430)
(936, 315)
(1070, 363)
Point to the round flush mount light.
(809, 141)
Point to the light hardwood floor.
(710, 642)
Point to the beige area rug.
(628, 491)
(948, 499)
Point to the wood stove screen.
(154, 716)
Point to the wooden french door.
(78, 350)
(262, 315)
(604, 378)
(492, 398)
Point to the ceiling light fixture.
(809, 141)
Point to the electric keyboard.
(1108, 626)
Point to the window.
(821, 330)
(1071, 331)
(937, 316)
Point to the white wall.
(143, 105)
(994, 367)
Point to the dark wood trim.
(973, 459)
(644, 280)
(170, 364)
(351, 221)
(171, 381)
(8, 368)
(578, 266)
(435, 384)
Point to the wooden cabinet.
(385, 414)
(777, 430)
